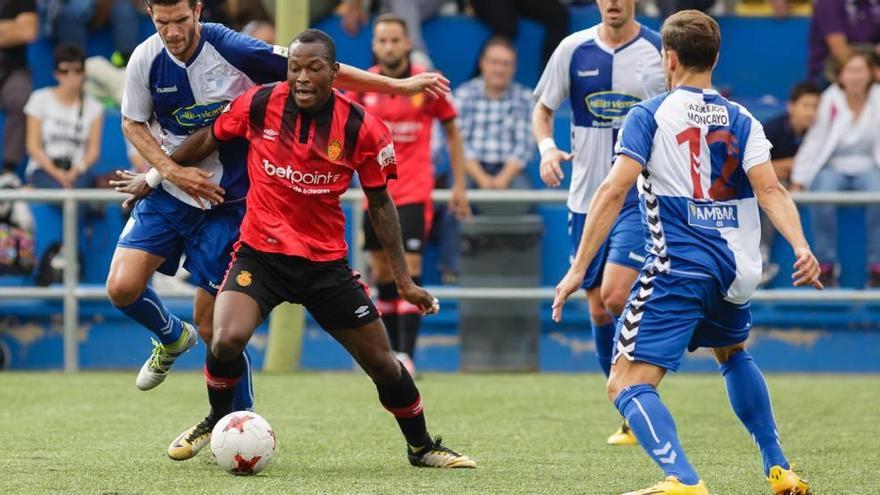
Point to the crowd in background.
(827, 140)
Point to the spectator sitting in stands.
(785, 132)
(68, 22)
(503, 19)
(18, 27)
(64, 126)
(414, 12)
(841, 152)
(495, 122)
(494, 117)
(836, 26)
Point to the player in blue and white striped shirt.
(703, 166)
(602, 71)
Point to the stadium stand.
(752, 73)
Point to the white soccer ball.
(242, 443)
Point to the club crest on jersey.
(713, 216)
(334, 150)
(198, 115)
(610, 105)
(244, 278)
(417, 100)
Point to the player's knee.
(614, 299)
(723, 354)
(205, 324)
(384, 370)
(613, 387)
(600, 316)
(206, 331)
(228, 344)
(381, 271)
(122, 292)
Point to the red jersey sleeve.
(234, 121)
(376, 162)
(442, 108)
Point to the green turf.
(96, 433)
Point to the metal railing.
(71, 293)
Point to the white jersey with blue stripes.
(700, 213)
(601, 84)
(183, 97)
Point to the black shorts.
(413, 219)
(332, 293)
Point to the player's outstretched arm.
(781, 210)
(386, 224)
(551, 156)
(353, 79)
(604, 210)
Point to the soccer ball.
(242, 443)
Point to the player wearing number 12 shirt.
(703, 167)
(306, 143)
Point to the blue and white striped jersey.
(601, 84)
(183, 97)
(699, 211)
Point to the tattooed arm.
(386, 224)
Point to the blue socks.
(151, 312)
(244, 389)
(654, 428)
(750, 400)
(603, 335)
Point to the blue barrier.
(787, 337)
(757, 76)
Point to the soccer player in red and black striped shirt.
(306, 142)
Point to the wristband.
(154, 178)
(546, 144)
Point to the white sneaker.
(157, 366)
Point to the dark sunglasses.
(78, 70)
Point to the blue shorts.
(163, 225)
(666, 314)
(625, 245)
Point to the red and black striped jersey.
(410, 119)
(299, 164)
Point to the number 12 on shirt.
(720, 189)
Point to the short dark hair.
(803, 88)
(694, 36)
(497, 40)
(392, 18)
(68, 52)
(169, 3)
(318, 36)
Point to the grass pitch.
(96, 433)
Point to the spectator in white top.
(64, 126)
(841, 152)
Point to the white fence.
(72, 293)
